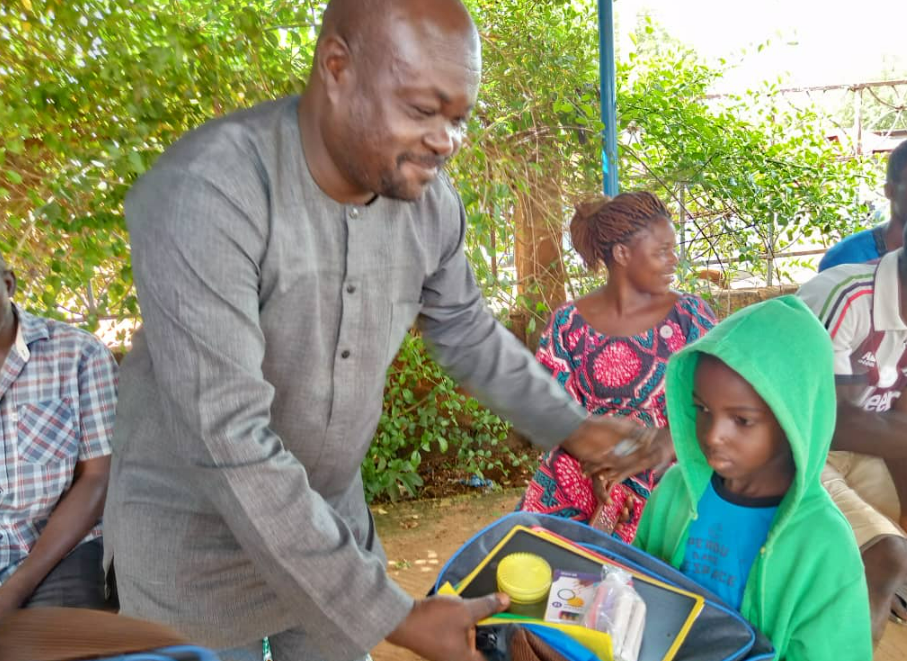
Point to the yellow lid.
(524, 577)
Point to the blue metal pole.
(607, 74)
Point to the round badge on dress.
(666, 332)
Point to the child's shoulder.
(818, 530)
(672, 493)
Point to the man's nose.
(444, 141)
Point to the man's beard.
(392, 185)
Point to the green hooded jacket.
(806, 590)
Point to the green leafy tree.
(754, 175)
(92, 91)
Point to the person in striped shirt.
(864, 309)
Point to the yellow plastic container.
(526, 579)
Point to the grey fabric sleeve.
(487, 359)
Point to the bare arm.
(898, 467)
(878, 434)
(76, 514)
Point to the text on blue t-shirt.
(725, 539)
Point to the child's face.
(738, 433)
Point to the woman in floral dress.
(609, 350)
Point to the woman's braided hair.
(600, 224)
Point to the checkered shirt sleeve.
(97, 403)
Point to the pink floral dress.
(609, 375)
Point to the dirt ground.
(420, 536)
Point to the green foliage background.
(91, 91)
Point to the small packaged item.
(618, 610)
(570, 596)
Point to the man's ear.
(335, 65)
(889, 190)
(9, 280)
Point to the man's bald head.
(392, 86)
(363, 24)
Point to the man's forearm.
(75, 515)
(877, 434)
(500, 372)
(897, 468)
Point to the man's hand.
(598, 442)
(11, 599)
(443, 628)
(658, 454)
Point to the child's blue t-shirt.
(725, 539)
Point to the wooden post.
(682, 196)
(539, 231)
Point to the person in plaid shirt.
(57, 399)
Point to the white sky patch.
(812, 42)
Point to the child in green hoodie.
(751, 408)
